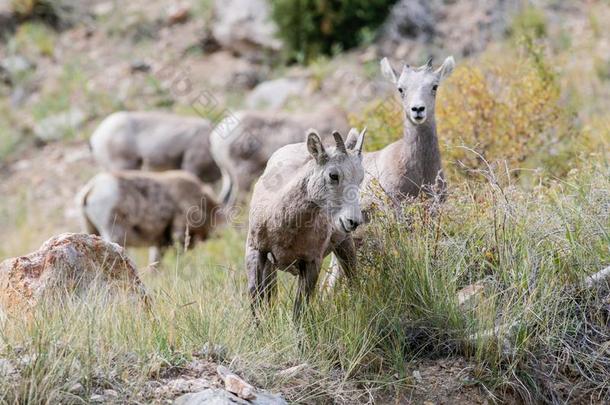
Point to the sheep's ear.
(446, 68)
(352, 138)
(360, 142)
(387, 71)
(315, 147)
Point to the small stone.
(60, 125)
(102, 9)
(97, 398)
(76, 388)
(178, 13)
(213, 352)
(15, 65)
(235, 384)
(417, 376)
(139, 66)
(470, 293)
(6, 368)
(292, 371)
(111, 394)
(273, 94)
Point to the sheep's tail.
(228, 191)
(81, 200)
(221, 139)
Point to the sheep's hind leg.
(256, 262)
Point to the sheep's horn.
(339, 141)
(429, 62)
(360, 141)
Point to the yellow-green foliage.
(34, 38)
(383, 118)
(504, 111)
(530, 22)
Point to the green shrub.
(53, 12)
(313, 27)
(531, 22)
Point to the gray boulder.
(245, 27)
(59, 126)
(273, 94)
(219, 396)
(443, 27)
(69, 263)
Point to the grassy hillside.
(525, 136)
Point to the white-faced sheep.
(304, 206)
(135, 208)
(155, 141)
(412, 164)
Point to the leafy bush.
(529, 22)
(313, 27)
(54, 12)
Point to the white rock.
(15, 64)
(245, 27)
(273, 94)
(58, 126)
(222, 397)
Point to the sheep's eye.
(434, 88)
(334, 176)
(401, 90)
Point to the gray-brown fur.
(303, 207)
(135, 208)
(155, 141)
(243, 143)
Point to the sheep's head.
(335, 182)
(417, 87)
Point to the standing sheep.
(304, 206)
(134, 208)
(155, 141)
(412, 164)
(243, 143)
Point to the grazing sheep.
(155, 141)
(243, 143)
(304, 206)
(135, 208)
(412, 164)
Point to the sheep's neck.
(420, 154)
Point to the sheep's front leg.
(343, 263)
(155, 255)
(256, 262)
(308, 278)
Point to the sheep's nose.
(418, 109)
(353, 223)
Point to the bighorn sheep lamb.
(243, 143)
(135, 208)
(412, 164)
(304, 206)
(155, 141)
